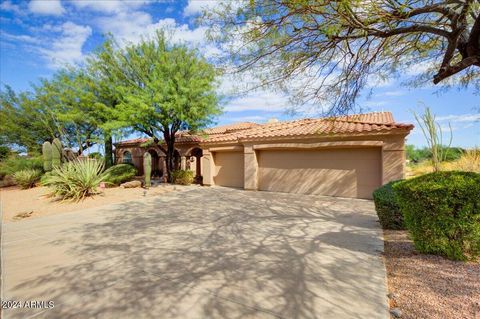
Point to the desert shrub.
(182, 177)
(96, 155)
(75, 180)
(17, 163)
(7, 181)
(387, 207)
(44, 178)
(468, 162)
(4, 152)
(442, 213)
(27, 178)
(120, 173)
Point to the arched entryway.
(194, 163)
(176, 160)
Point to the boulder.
(131, 184)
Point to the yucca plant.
(75, 180)
(27, 178)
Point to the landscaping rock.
(392, 295)
(131, 184)
(396, 313)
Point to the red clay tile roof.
(230, 128)
(377, 122)
(181, 137)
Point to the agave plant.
(27, 178)
(75, 180)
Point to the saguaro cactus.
(147, 168)
(57, 152)
(47, 156)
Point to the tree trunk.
(108, 151)
(170, 141)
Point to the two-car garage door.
(349, 172)
(335, 172)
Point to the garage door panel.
(347, 173)
(229, 169)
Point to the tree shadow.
(219, 253)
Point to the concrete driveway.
(200, 253)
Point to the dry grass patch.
(468, 162)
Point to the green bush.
(442, 213)
(4, 152)
(75, 180)
(44, 178)
(27, 178)
(182, 177)
(96, 155)
(17, 163)
(387, 207)
(120, 173)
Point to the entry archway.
(195, 160)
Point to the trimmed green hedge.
(442, 213)
(387, 207)
(182, 177)
(119, 173)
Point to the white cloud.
(9, 6)
(46, 7)
(109, 6)
(258, 101)
(195, 7)
(19, 38)
(460, 118)
(67, 49)
(392, 93)
(126, 26)
(420, 68)
(131, 27)
(375, 103)
(251, 118)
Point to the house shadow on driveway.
(202, 253)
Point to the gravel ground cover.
(427, 286)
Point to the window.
(127, 157)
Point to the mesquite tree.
(327, 51)
(163, 89)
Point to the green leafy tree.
(163, 89)
(26, 120)
(74, 108)
(89, 99)
(326, 52)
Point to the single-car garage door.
(332, 172)
(229, 169)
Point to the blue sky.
(38, 37)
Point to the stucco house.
(347, 156)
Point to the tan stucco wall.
(384, 161)
(241, 165)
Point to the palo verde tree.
(163, 89)
(74, 107)
(327, 51)
(26, 120)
